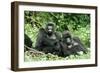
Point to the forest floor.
(29, 57)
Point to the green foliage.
(78, 25)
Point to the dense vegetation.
(78, 25)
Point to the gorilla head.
(50, 28)
(67, 37)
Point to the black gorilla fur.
(27, 41)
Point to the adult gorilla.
(48, 40)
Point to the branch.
(31, 50)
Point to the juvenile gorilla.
(48, 40)
(71, 45)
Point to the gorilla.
(48, 40)
(27, 41)
(71, 45)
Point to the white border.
(23, 64)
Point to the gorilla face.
(67, 38)
(50, 29)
